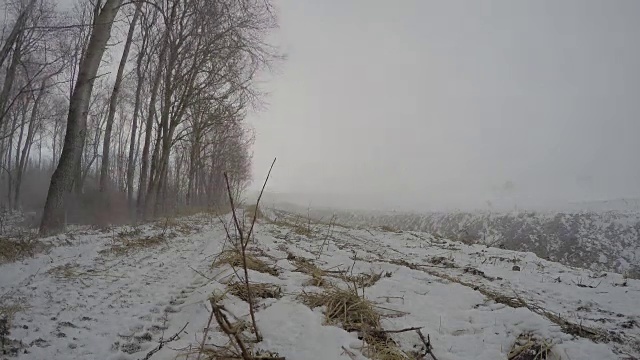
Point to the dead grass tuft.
(316, 281)
(511, 301)
(307, 266)
(233, 258)
(123, 245)
(13, 249)
(363, 280)
(387, 228)
(344, 307)
(568, 327)
(299, 227)
(64, 271)
(253, 210)
(8, 311)
(261, 290)
(530, 347)
(170, 226)
(383, 349)
(131, 233)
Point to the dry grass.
(227, 352)
(571, 328)
(123, 245)
(306, 266)
(529, 347)
(13, 249)
(252, 210)
(316, 281)
(130, 233)
(170, 226)
(510, 301)
(233, 258)
(388, 228)
(258, 290)
(64, 271)
(300, 226)
(9, 310)
(383, 349)
(344, 307)
(363, 280)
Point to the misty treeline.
(112, 110)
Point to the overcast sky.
(437, 104)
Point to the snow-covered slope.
(607, 240)
(92, 297)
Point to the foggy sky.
(437, 104)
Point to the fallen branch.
(382, 331)
(352, 355)
(232, 331)
(163, 342)
(427, 345)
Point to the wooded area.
(112, 111)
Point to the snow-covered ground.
(89, 298)
(597, 240)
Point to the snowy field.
(121, 293)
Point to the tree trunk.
(113, 101)
(144, 172)
(53, 216)
(27, 145)
(134, 125)
(8, 80)
(16, 31)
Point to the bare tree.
(53, 218)
(16, 31)
(176, 106)
(113, 102)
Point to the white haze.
(428, 105)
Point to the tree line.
(113, 110)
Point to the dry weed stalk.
(243, 240)
(325, 241)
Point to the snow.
(81, 301)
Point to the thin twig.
(163, 342)
(415, 328)
(244, 242)
(349, 353)
(204, 337)
(253, 222)
(200, 273)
